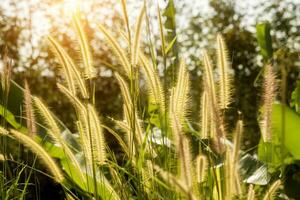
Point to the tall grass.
(149, 167)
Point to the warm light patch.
(70, 6)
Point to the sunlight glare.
(70, 6)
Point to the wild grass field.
(160, 130)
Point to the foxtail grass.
(41, 153)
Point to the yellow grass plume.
(30, 117)
(39, 150)
(72, 74)
(224, 67)
(85, 51)
(118, 50)
(154, 84)
(55, 133)
(269, 91)
(136, 39)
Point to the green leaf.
(295, 99)
(170, 45)
(170, 26)
(292, 128)
(272, 152)
(15, 99)
(264, 40)
(9, 117)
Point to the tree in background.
(24, 27)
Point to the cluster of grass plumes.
(158, 161)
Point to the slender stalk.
(283, 104)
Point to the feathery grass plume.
(126, 20)
(208, 74)
(178, 110)
(48, 117)
(204, 115)
(185, 162)
(155, 87)
(179, 94)
(30, 118)
(237, 141)
(6, 75)
(201, 166)
(224, 66)
(61, 55)
(72, 98)
(161, 31)
(174, 182)
(55, 133)
(231, 167)
(118, 50)
(85, 51)
(229, 175)
(269, 91)
(118, 138)
(82, 124)
(272, 190)
(149, 173)
(85, 142)
(72, 74)
(128, 113)
(97, 136)
(217, 122)
(136, 39)
(36, 148)
(251, 193)
(183, 149)
(80, 82)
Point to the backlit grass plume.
(125, 18)
(72, 75)
(201, 167)
(136, 39)
(156, 92)
(269, 91)
(204, 115)
(225, 87)
(180, 94)
(85, 51)
(6, 73)
(62, 56)
(82, 124)
(97, 136)
(118, 50)
(39, 150)
(209, 78)
(217, 122)
(232, 177)
(55, 132)
(175, 182)
(30, 117)
(135, 140)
